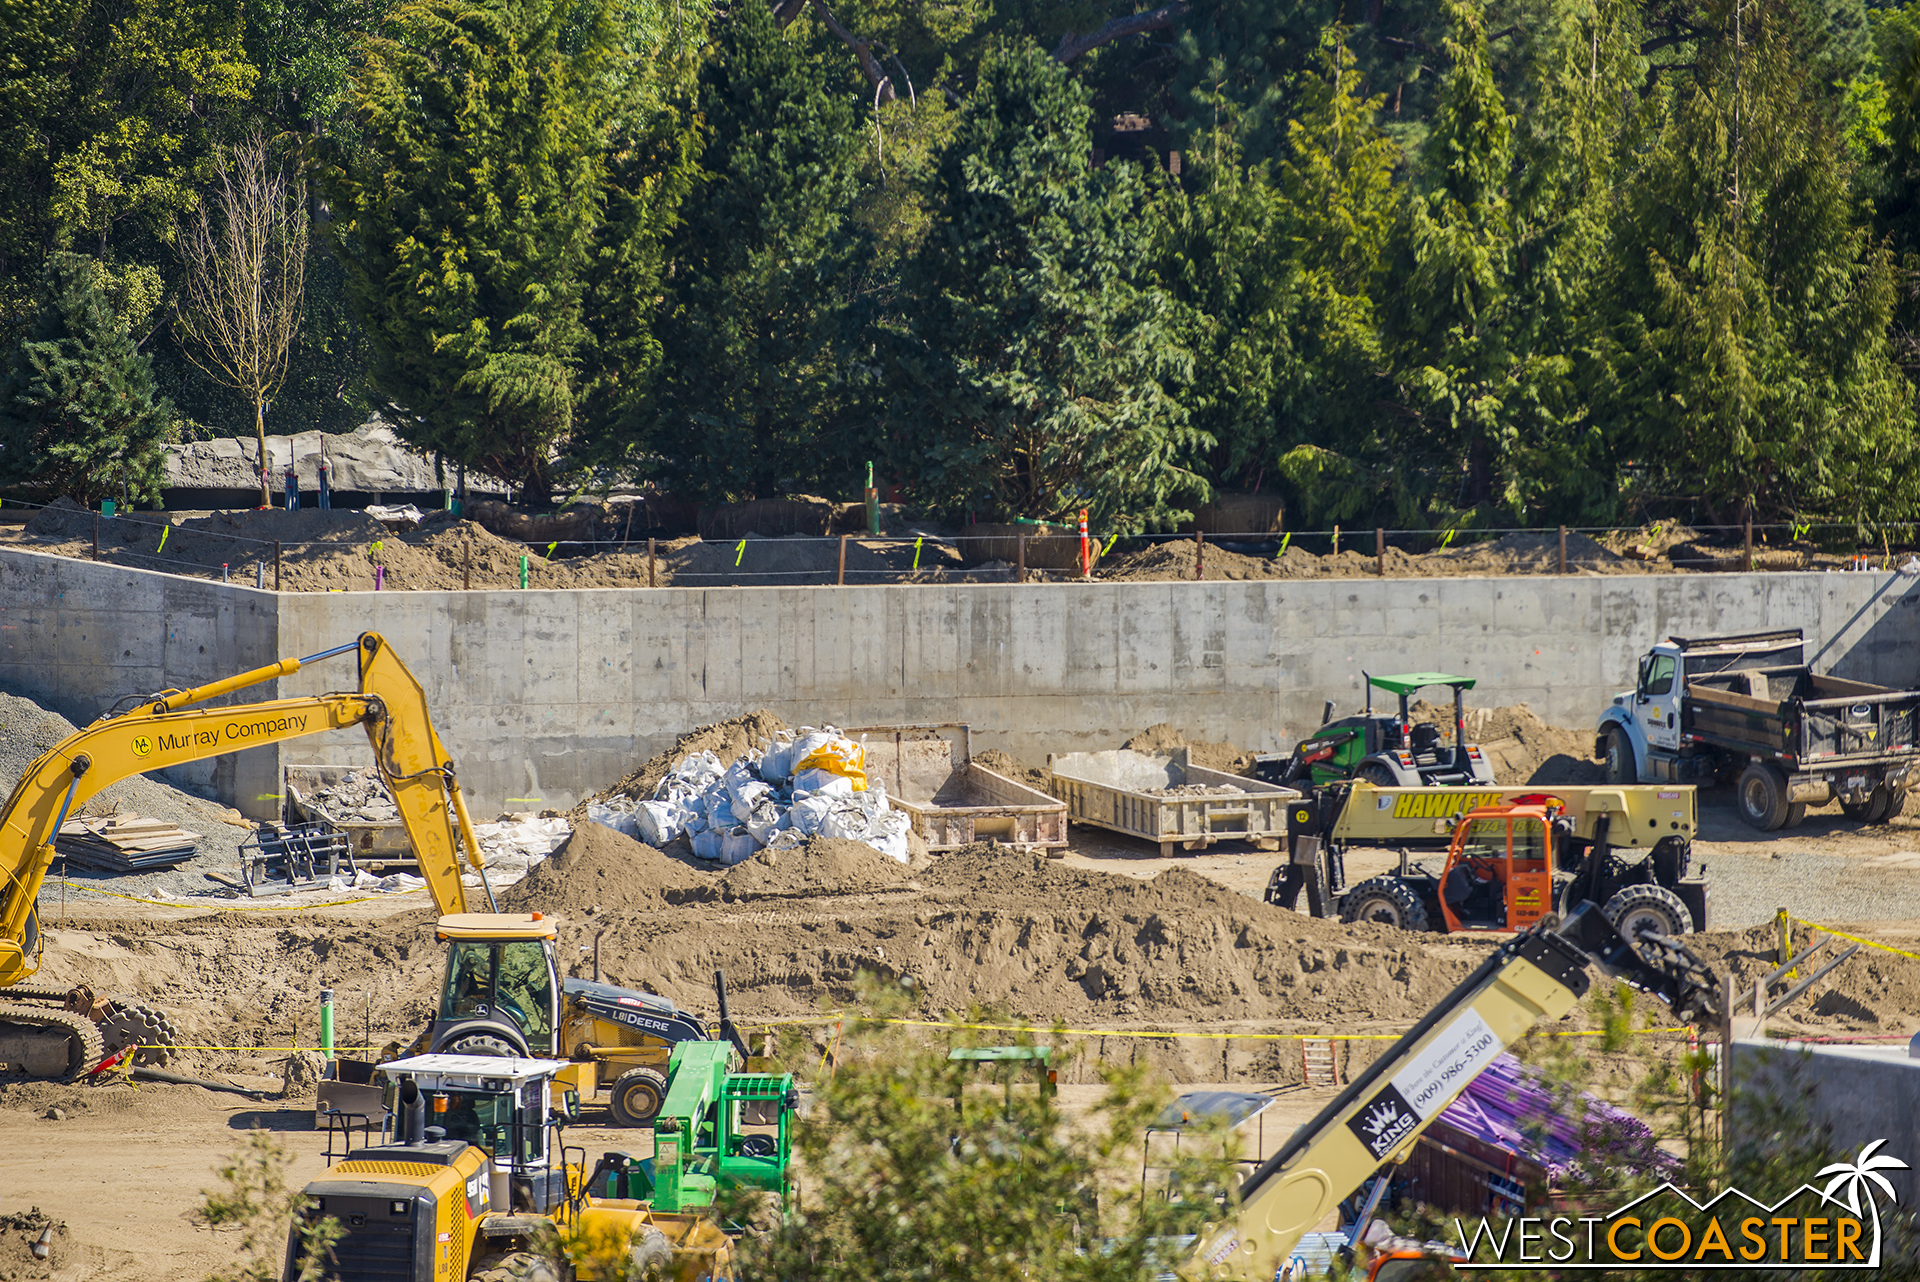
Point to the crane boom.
(1534, 977)
(164, 729)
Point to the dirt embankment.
(1521, 747)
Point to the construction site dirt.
(1132, 957)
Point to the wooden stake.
(1563, 549)
(1746, 558)
(466, 567)
(276, 565)
(1020, 558)
(1199, 555)
(650, 551)
(1380, 552)
(840, 575)
(96, 536)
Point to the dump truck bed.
(930, 776)
(1789, 714)
(1121, 791)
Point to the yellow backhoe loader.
(503, 993)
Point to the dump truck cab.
(1386, 748)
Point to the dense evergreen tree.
(760, 260)
(79, 415)
(1034, 374)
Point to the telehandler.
(502, 995)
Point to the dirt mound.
(600, 870)
(823, 866)
(1019, 771)
(1521, 553)
(63, 517)
(727, 740)
(799, 560)
(1875, 991)
(1509, 554)
(1521, 747)
(1163, 739)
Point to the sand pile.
(1521, 747)
(1163, 739)
(1036, 777)
(728, 740)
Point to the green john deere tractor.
(1383, 748)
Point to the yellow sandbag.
(841, 757)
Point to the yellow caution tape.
(237, 908)
(1152, 1035)
(1855, 939)
(337, 1050)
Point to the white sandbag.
(709, 844)
(765, 820)
(620, 820)
(739, 778)
(805, 817)
(817, 783)
(787, 839)
(889, 836)
(695, 773)
(720, 809)
(808, 742)
(736, 846)
(658, 822)
(747, 795)
(776, 758)
(846, 821)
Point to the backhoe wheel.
(1672, 860)
(1648, 908)
(481, 1044)
(1386, 902)
(1762, 791)
(637, 1096)
(1620, 767)
(1378, 774)
(519, 1266)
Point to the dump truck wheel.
(1643, 908)
(1386, 902)
(1871, 811)
(1762, 791)
(1620, 767)
(1896, 802)
(1672, 860)
(637, 1096)
(519, 1266)
(1796, 814)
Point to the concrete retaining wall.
(545, 696)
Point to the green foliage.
(1745, 355)
(761, 260)
(468, 217)
(256, 1202)
(78, 411)
(1032, 371)
(904, 1185)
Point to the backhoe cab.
(1386, 749)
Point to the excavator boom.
(165, 729)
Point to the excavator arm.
(165, 729)
(1535, 977)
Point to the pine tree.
(79, 415)
(759, 274)
(1746, 357)
(1034, 373)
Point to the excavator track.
(35, 993)
(84, 1047)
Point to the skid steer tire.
(1655, 908)
(1762, 796)
(1620, 766)
(637, 1096)
(1384, 901)
(1377, 774)
(518, 1266)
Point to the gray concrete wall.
(79, 636)
(1854, 1095)
(544, 697)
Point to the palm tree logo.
(1858, 1180)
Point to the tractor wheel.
(1672, 859)
(1648, 908)
(637, 1096)
(1378, 774)
(1385, 901)
(1620, 767)
(517, 1266)
(1762, 792)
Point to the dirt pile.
(1163, 739)
(727, 740)
(823, 866)
(1874, 991)
(1520, 553)
(1521, 747)
(599, 870)
(1035, 777)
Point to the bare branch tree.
(245, 251)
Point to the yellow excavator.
(503, 993)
